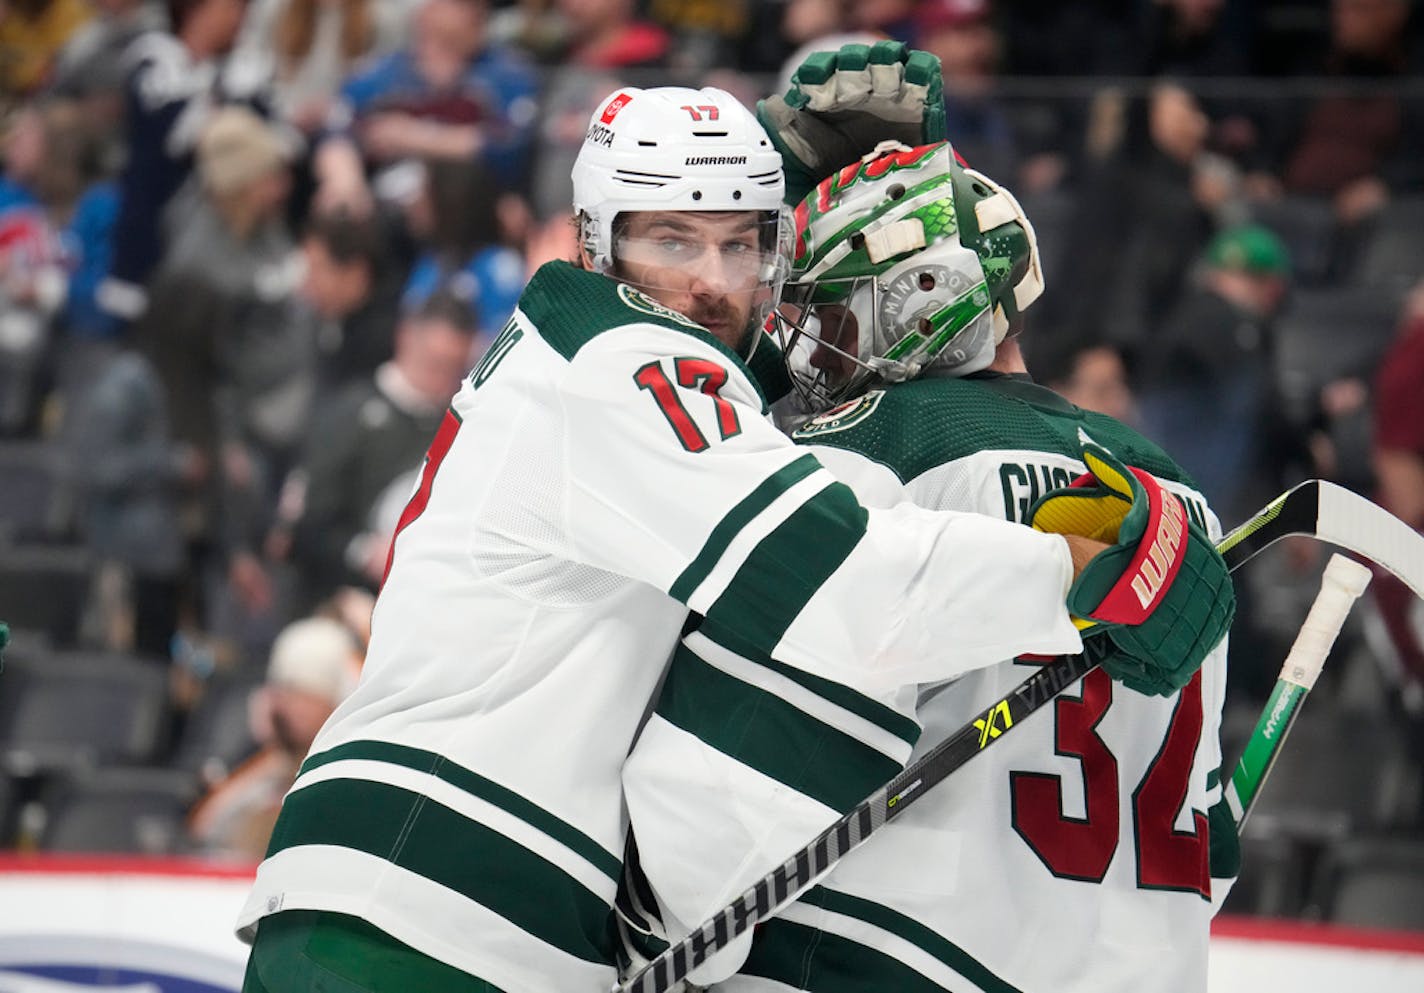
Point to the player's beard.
(723, 315)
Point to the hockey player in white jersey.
(607, 467)
(1072, 856)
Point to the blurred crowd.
(249, 248)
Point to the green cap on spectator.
(1251, 248)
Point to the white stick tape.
(1343, 582)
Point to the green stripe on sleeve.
(804, 958)
(764, 732)
(786, 569)
(737, 518)
(889, 719)
(453, 851)
(867, 708)
(476, 785)
(810, 959)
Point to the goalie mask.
(672, 149)
(905, 261)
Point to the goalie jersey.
(607, 466)
(1071, 857)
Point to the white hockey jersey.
(607, 466)
(1071, 857)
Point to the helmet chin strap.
(893, 370)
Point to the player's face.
(839, 333)
(706, 266)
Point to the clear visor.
(730, 252)
(722, 269)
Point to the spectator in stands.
(44, 175)
(1048, 38)
(261, 373)
(705, 35)
(83, 198)
(961, 33)
(90, 70)
(448, 94)
(32, 32)
(91, 63)
(1192, 38)
(177, 333)
(1208, 386)
(1364, 141)
(806, 21)
(230, 226)
(366, 437)
(1398, 459)
(817, 26)
(1186, 40)
(131, 476)
(608, 34)
(568, 102)
(353, 608)
(313, 665)
(316, 45)
(1084, 38)
(45, 201)
(1093, 377)
(351, 292)
(1147, 208)
(178, 78)
(237, 373)
(456, 218)
(892, 18)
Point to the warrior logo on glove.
(1160, 592)
(1156, 562)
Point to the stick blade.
(1352, 522)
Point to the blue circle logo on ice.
(74, 964)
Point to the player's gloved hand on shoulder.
(842, 104)
(1160, 598)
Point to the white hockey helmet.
(674, 148)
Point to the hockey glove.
(1160, 598)
(842, 104)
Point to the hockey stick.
(1331, 513)
(1315, 508)
(1343, 582)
